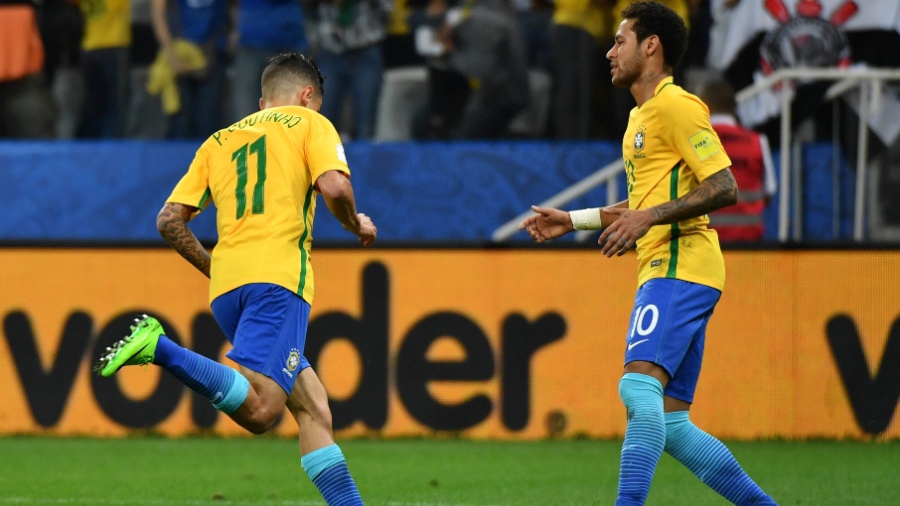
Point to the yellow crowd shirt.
(260, 172)
(668, 149)
(107, 24)
(586, 15)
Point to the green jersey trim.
(673, 245)
(663, 87)
(303, 253)
(204, 199)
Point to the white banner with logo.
(734, 27)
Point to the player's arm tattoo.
(172, 226)
(715, 192)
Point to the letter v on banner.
(873, 397)
(47, 388)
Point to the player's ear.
(651, 45)
(306, 95)
(262, 103)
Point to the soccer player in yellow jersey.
(264, 174)
(677, 172)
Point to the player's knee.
(635, 388)
(320, 413)
(678, 427)
(262, 419)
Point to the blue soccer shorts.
(668, 328)
(266, 325)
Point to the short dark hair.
(290, 69)
(653, 18)
(718, 95)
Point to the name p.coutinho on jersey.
(289, 120)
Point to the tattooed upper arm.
(715, 192)
(725, 188)
(173, 211)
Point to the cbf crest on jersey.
(639, 138)
(293, 360)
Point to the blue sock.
(645, 436)
(225, 388)
(711, 461)
(328, 470)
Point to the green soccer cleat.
(138, 348)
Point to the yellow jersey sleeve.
(193, 188)
(324, 150)
(689, 133)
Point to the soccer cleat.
(138, 348)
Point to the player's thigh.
(271, 332)
(308, 396)
(665, 321)
(269, 393)
(684, 382)
(226, 309)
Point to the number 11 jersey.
(260, 172)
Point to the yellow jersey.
(586, 15)
(668, 149)
(260, 172)
(107, 24)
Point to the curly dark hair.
(653, 18)
(286, 67)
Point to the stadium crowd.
(156, 69)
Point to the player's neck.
(644, 87)
(280, 103)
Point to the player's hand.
(624, 233)
(548, 223)
(367, 230)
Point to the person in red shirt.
(751, 165)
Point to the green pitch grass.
(266, 471)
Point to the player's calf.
(711, 461)
(645, 436)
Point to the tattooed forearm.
(715, 192)
(172, 226)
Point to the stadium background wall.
(498, 343)
(112, 191)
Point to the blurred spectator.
(700, 14)
(145, 117)
(478, 41)
(61, 24)
(399, 45)
(348, 37)
(448, 90)
(26, 106)
(534, 18)
(62, 28)
(264, 28)
(107, 37)
(577, 29)
(751, 165)
(200, 91)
